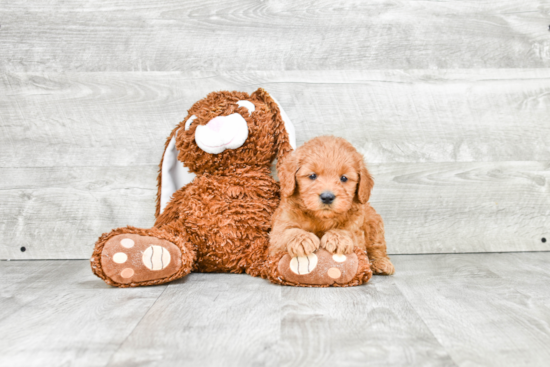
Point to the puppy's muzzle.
(327, 197)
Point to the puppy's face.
(329, 175)
(327, 182)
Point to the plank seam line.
(396, 282)
(547, 161)
(134, 328)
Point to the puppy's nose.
(327, 197)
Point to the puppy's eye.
(343, 179)
(189, 122)
(313, 176)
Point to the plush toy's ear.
(290, 137)
(284, 129)
(365, 185)
(172, 174)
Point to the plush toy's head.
(222, 133)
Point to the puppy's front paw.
(338, 242)
(382, 266)
(302, 244)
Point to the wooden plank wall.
(449, 103)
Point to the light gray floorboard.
(56, 313)
(528, 273)
(479, 317)
(372, 325)
(59, 212)
(272, 35)
(123, 119)
(440, 310)
(208, 320)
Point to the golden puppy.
(325, 188)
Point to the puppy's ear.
(287, 169)
(365, 185)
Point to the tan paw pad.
(334, 273)
(127, 273)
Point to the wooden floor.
(440, 310)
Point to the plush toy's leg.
(131, 257)
(320, 269)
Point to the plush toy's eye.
(190, 122)
(313, 176)
(248, 105)
(343, 179)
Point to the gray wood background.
(448, 101)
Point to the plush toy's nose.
(216, 123)
(221, 133)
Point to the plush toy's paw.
(136, 259)
(319, 268)
(382, 266)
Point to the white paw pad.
(128, 243)
(120, 257)
(156, 257)
(339, 258)
(303, 264)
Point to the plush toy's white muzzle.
(221, 133)
(225, 132)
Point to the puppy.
(325, 188)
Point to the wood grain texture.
(273, 35)
(122, 119)
(207, 320)
(463, 207)
(59, 212)
(438, 310)
(57, 313)
(196, 319)
(479, 317)
(353, 327)
(528, 273)
(65, 134)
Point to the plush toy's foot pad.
(319, 268)
(132, 258)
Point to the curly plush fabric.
(215, 202)
(220, 220)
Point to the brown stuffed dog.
(213, 212)
(325, 222)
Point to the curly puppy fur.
(340, 221)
